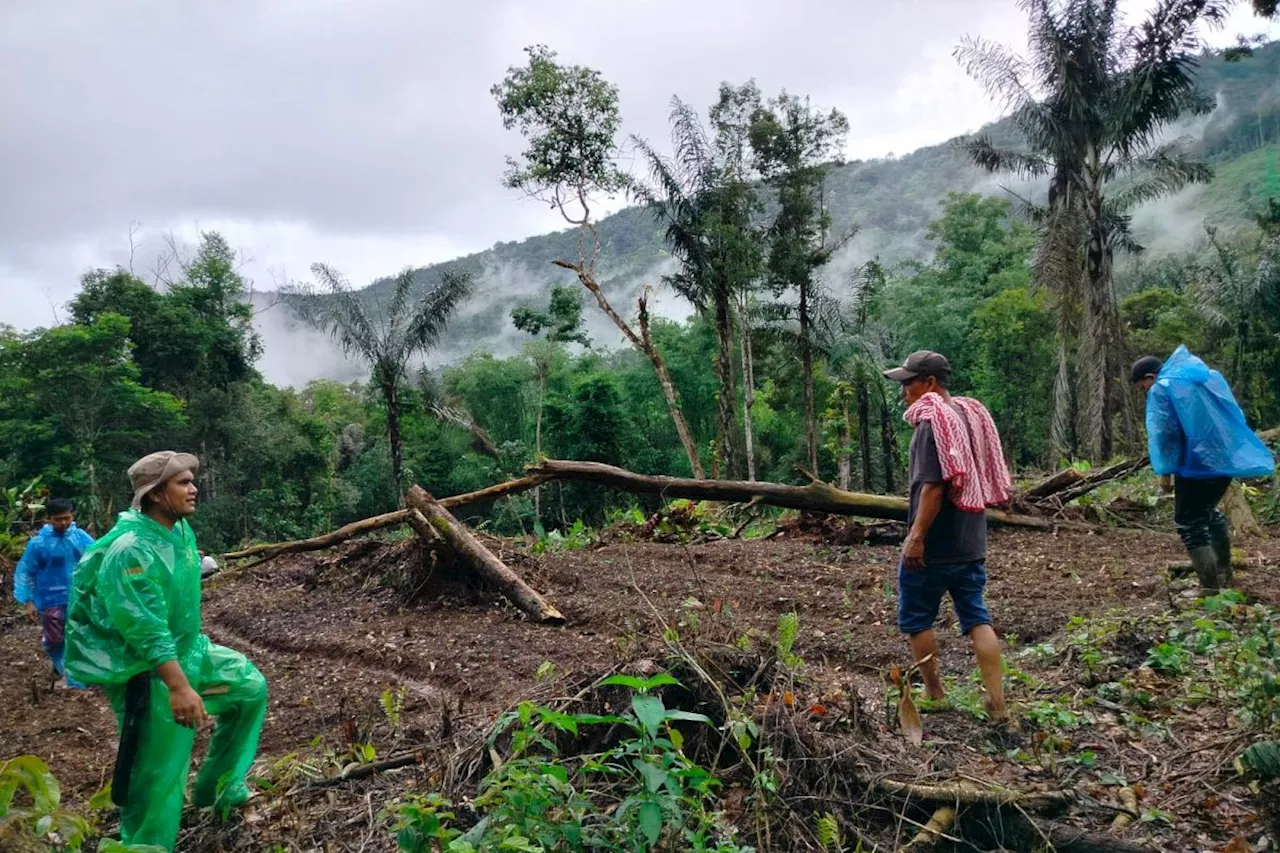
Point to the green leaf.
(629, 681)
(101, 801)
(659, 680)
(650, 712)
(650, 819)
(654, 777)
(688, 716)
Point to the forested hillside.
(492, 638)
(891, 203)
(775, 371)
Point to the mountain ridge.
(890, 201)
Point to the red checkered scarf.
(968, 448)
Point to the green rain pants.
(235, 695)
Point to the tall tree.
(1091, 104)
(703, 199)
(385, 337)
(560, 324)
(194, 340)
(569, 117)
(72, 409)
(1238, 291)
(731, 119)
(793, 147)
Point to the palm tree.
(704, 202)
(385, 338)
(794, 146)
(1234, 293)
(855, 345)
(1091, 104)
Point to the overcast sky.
(362, 132)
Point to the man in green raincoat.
(133, 626)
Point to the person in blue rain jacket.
(42, 580)
(1199, 442)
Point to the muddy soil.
(334, 639)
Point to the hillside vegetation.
(891, 203)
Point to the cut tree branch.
(1046, 488)
(368, 525)
(481, 559)
(326, 540)
(816, 497)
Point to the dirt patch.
(335, 638)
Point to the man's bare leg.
(986, 647)
(923, 645)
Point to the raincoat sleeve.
(83, 540)
(133, 589)
(24, 575)
(1165, 439)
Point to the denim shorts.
(920, 594)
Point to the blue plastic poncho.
(43, 575)
(1195, 428)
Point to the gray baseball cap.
(921, 363)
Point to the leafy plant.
(788, 629)
(18, 511)
(44, 818)
(1169, 658)
(642, 794)
(392, 702)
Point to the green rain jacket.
(135, 603)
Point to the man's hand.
(32, 614)
(1166, 483)
(913, 553)
(187, 707)
(185, 703)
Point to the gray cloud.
(363, 133)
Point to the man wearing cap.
(957, 470)
(1198, 441)
(133, 626)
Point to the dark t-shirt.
(956, 536)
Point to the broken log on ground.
(816, 497)
(1100, 477)
(326, 540)
(1067, 839)
(481, 559)
(1047, 488)
(378, 522)
(966, 793)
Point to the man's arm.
(932, 496)
(184, 702)
(1165, 439)
(24, 578)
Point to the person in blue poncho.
(1199, 442)
(42, 579)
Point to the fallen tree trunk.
(1066, 839)
(481, 559)
(390, 519)
(965, 793)
(1102, 477)
(327, 540)
(1047, 488)
(816, 497)
(493, 493)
